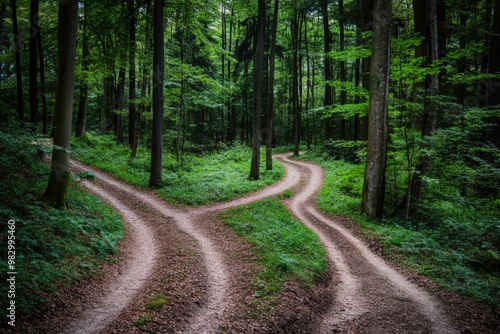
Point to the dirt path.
(138, 268)
(372, 297)
(209, 316)
(365, 294)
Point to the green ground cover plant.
(53, 247)
(284, 246)
(199, 179)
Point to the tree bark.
(57, 187)
(493, 86)
(257, 90)
(34, 31)
(374, 181)
(308, 88)
(295, 82)
(365, 25)
(119, 105)
(132, 115)
(42, 84)
(2, 14)
(416, 193)
(231, 106)
(343, 77)
(155, 176)
(81, 117)
(17, 49)
(327, 66)
(270, 91)
(357, 82)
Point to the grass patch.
(285, 247)
(454, 241)
(156, 303)
(200, 180)
(143, 320)
(53, 246)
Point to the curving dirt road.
(364, 294)
(372, 297)
(209, 317)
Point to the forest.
(197, 102)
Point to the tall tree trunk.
(138, 127)
(34, 31)
(144, 83)
(486, 45)
(42, 84)
(244, 117)
(343, 77)
(270, 90)
(156, 175)
(493, 87)
(460, 89)
(231, 117)
(257, 90)
(328, 72)
(109, 101)
(119, 105)
(2, 14)
(132, 115)
(357, 82)
(442, 27)
(313, 94)
(81, 117)
(57, 187)
(295, 82)
(415, 193)
(308, 87)
(366, 25)
(374, 182)
(17, 49)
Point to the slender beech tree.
(17, 50)
(328, 71)
(366, 19)
(57, 187)
(2, 14)
(42, 83)
(270, 91)
(374, 181)
(34, 32)
(155, 176)
(493, 86)
(295, 81)
(81, 118)
(426, 24)
(343, 74)
(257, 90)
(132, 115)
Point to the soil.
(203, 272)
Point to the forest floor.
(181, 270)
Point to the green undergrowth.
(454, 240)
(53, 247)
(197, 180)
(285, 248)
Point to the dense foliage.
(454, 237)
(53, 247)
